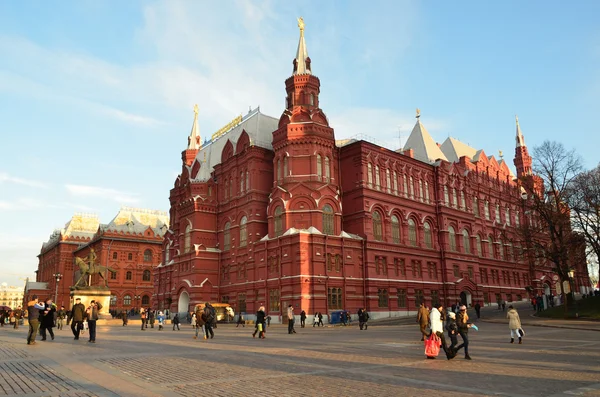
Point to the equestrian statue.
(89, 267)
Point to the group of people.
(457, 323)
(203, 320)
(11, 317)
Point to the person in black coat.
(47, 319)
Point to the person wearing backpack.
(208, 317)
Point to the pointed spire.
(194, 138)
(302, 61)
(520, 138)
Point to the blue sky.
(96, 97)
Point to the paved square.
(386, 360)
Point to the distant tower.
(305, 174)
(194, 144)
(522, 158)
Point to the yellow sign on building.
(227, 127)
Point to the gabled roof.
(455, 149)
(137, 221)
(424, 147)
(257, 125)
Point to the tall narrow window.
(401, 297)
(148, 255)
(405, 185)
(463, 205)
(312, 99)
(146, 275)
(412, 233)
(475, 206)
(226, 237)
(497, 213)
(277, 221)
(421, 190)
(226, 192)
(128, 275)
(377, 227)
(466, 241)
(285, 167)
(478, 244)
(454, 198)
(370, 175)
(395, 230)
(328, 219)
(427, 235)
(230, 187)
(395, 183)
(242, 180)
(451, 238)
(500, 250)
(115, 255)
(426, 192)
(377, 180)
(243, 232)
(491, 246)
(247, 181)
(412, 188)
(388, 181)
(446, 196)
(383, 297)
(187, 245)
(279, 170)
(507, 215)
(319, 166)
(517, 220)
(486, 210)
(327, 169)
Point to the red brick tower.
(306, 188)
(194, 144)
(522, 158)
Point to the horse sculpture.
(91, 269)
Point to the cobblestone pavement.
(333, 361)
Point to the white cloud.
(102, 193)
(26, 204)
(5, 177)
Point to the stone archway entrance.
(465, 298)
(184, 302)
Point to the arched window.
(115, 255)
(377, 227)
(130, 256)
(395, 183)
(446, 197)
(145, 300)
(475, 206)
(412, 233)
(146, 275)
(491, 246)
(377, 180)
(319, 166)
(388, 180)
(466, 241)
(148, 255)
(167, 254)
(127, 300)
(226, 237)
(328, 226)
(243, 232)
(327, 169)
(187, 244)
(277, 221)
(451, 238)
(370, 175)
(247, 181)
(427, 235)
(128, 275)
(395, 230)
(478, 243)
(497, 213)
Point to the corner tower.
(305, 188)
(522, 158)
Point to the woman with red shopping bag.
(437, 333)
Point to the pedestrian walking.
(260, 323)
(240, 321)
(124, 315)
(478, 309)
(452, 329)
(462, 321)
(437, 326)
(33, 310)
(143, 317)
(61, 314)
(92, 315)
(363, 318)
(514, 324)
(423, 320)
(199, 322)
(77, 316)
(290, 315)
(47, 319)
(208, 315)
(151, 318)
(302, 319)
(176, 322)
(18, 314)
(161, 320)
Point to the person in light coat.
(437, 326)
(514, 324)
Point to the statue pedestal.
(87, 295)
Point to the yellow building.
(11, 296)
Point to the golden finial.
(418, 113)
(517, 118)
(301, 25)
(500, 154)
(196, 109)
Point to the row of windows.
(476, 210)
(147, 256)
(230, 183)
(392, 181)
(145, 300)
(506, 277)
(323, 168)
(129, 275)
(412, 230)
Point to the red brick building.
(130, 244)
(277, 212)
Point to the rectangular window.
(396, 267)
(421, 190)
(274, 300)
(486, 298)
(418, 297)
(241, 305)
(484, 275)
(456, 270)
(426, 192)
(395, 183)
(383, 297)
(435, 295)
(401, 297)
(383, 262)
(470, 270)
(334, 298)
(113, 276)
(416, 269)
(402, 267)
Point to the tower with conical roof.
(189, 154)
(306, 160)
(522, 158)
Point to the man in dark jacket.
(60, 317)
(47, 319)
(209, 317)
(302, 319)
(33, 310)
(92, 313)
(77, 313)
(18, 315)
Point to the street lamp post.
(572, 287)
(57, 277)
(137, 300)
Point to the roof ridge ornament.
(302, 61)
(418, 115)
(301, 25)
(194, 138)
